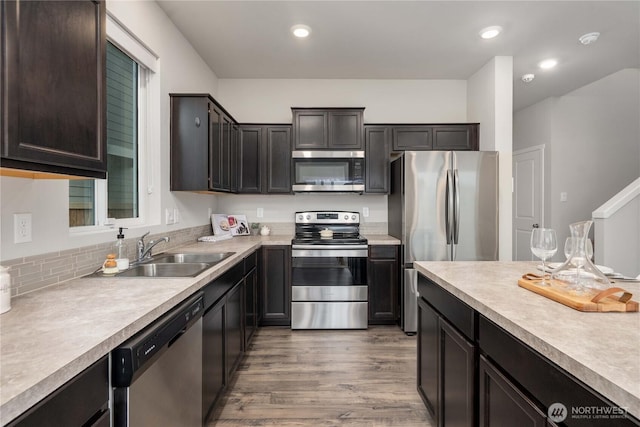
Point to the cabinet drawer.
(451, 308)
(250, 262)
(540, 377)
(383, 251)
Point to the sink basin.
(160, 269)
(173, 265)
(191, 258)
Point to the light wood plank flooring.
(325, 378)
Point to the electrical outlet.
(563, 196)
(365, 212)
(21, 228)
(260, 213)
(168, 216)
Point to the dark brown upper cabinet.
(407, 138)
(264, 159)
(53, 88)
(377, 144)
(435, 137)
(203, 145)
(328, 128)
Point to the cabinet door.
(455, 137)
(429, 358)
(345, 129)
(215, 147)
(189, 143)
(311, 129)
(458, 378)
(225, 156)
(377, 147)
(276, 285)
(250, 298)
(53, 87)
(382, 276)
(213, 370)
(406, 138)
(234, 337)
(501, 403)
(278, 159)
(233, 162)
(249, 159)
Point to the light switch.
(260, 212)
(365, 212)
(563, 196)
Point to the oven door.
(329, 287)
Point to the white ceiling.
(412, 39)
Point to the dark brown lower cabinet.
(212, 357)
(382, 277)
(83, 401)
(428, 358)
(502, 404)
(446, 370)
(234, 337)
(473, 372)
(276, 285)
(250, 298)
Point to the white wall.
(181, 70)
(490, 102)
(593, 140)
(385, 101)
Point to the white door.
(528, 191)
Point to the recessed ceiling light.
(547, 64)
(589, 38)
(528, 78)
(490, 32)
(301, 31)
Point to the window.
(123, 194)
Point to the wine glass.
(544, 245)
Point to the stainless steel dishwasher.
(157, 374)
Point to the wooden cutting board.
(610, 300)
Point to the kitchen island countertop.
(600, 349)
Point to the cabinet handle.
(536, 226)
(197, 122)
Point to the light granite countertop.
(600, 349)
(53, 334)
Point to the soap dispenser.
(121, 251)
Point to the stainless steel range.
(329, 274)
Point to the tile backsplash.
(35, 272)
(38, 271)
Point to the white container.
(5, 290)
(123, 264)
(265, 231)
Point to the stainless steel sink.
(213, 258)
(173, 265)
(159, 269)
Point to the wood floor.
(325, 378)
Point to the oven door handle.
(323, 247)
(328, 253)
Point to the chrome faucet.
(144, 250)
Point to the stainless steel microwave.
(328, 171)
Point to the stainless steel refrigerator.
(443, 205)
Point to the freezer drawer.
(329, 315)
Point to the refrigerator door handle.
(456, 206)
(448, 206)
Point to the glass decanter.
(578, 272)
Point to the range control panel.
(327, 217)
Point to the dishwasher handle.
(133, 357)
